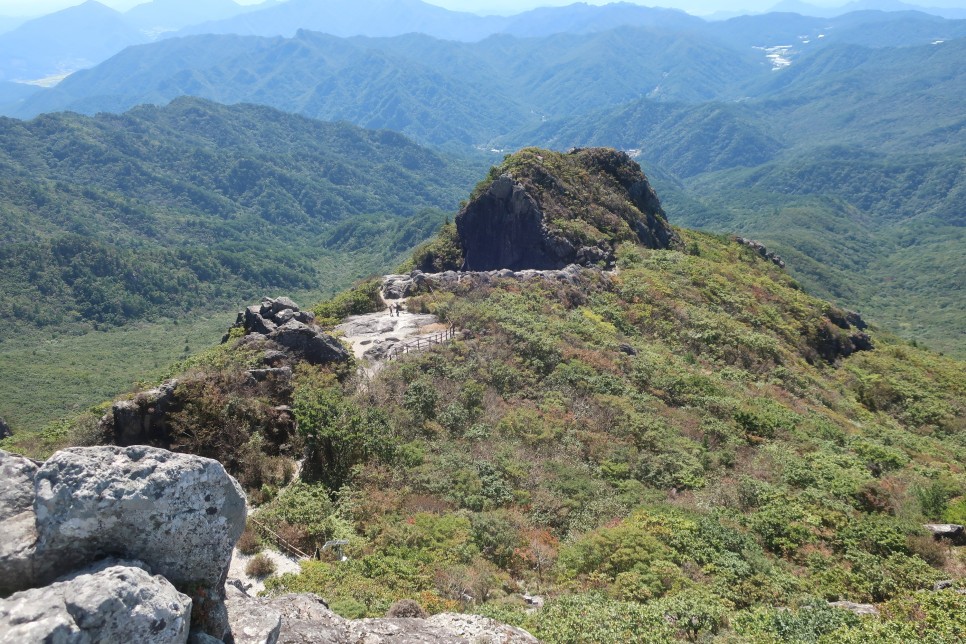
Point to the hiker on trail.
(399, 308)
(392, 307)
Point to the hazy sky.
(699, 7)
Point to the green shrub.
(249, 543)
(693, 612)
(581, 619)
(441, 253)
(360, 299)
(807, 622)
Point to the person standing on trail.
(392, 307)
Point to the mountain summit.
(544, 210)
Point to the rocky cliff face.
(546, 210)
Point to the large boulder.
(178, 513)
(309, 342)
(547, 210)
(114, 601)
(281, 321)
(19, 539)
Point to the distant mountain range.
(839, 141)
(49, 47)
(806, 9)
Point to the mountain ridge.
(680, 448)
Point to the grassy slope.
(717, 474)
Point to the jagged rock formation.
(142, 420)
(284, 333)
(546, 210)
(178, 514)
(840, 335)
(282, 321)
(759, 248)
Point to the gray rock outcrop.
(281, 321)
(504, 228)
(19, 540)
(142, 419)
(5, 429)
(950, 531)
(401, 286)
(114, 601)
(306, 619)
(179, 514)
(858, 609)
(763, 252)
(530, 218)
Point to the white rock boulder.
(115, 601)
(18, 537)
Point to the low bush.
(260, 566)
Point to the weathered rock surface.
(114, 601)
(306, 619)
(476, 628)
(374, 335)
(400, 286)
(309, 342)
(251, 622)
(5, 429)
(19, 535)
(178, 513)
(281, 321)
(530, 218)
(142, 419)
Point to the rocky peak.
(545, 210)
(283, 322)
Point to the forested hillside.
(805, 132)
(115, 218)
(688, 447)
(180, 214)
